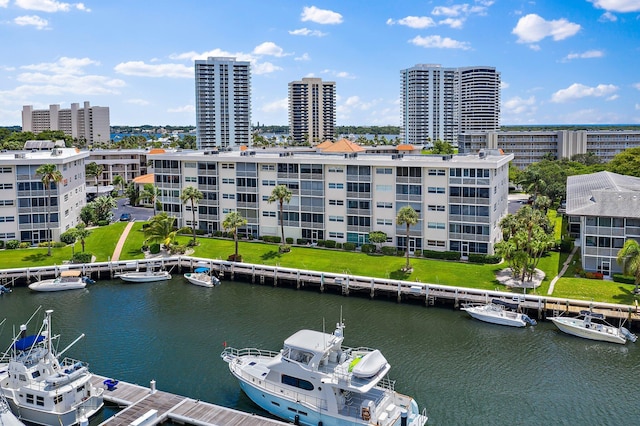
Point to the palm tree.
(629, 258)
(150, 192)
(118, 181)
(193, 195)
(82, 233)
(94, 170)
(407, 216)
(160, 230)
(281, 193)
(231, 223)
(49, 174)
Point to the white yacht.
(7, 418)
(314, 380)
(499, 312)
(68, 280)
(144, 276)
(43, 389)
(584, 326)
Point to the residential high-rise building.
(91, 124)
(440, 103)
(223, 103)
(312, 110)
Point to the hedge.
(68, 237)
(368, 248)
(154, 248)
(389, 250)
(271, 239)
(349, 246)
(484, 258)
(12, 244)
(625, 279)
(446, 255)
(82, 257)
(329, 243)
(289, 240)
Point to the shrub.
(329, 243)
(594, 275)
(234, 258)
(217, 234)
(1, 244)
(145, 225)
(68, 237)
(349, 246)
(178, 249)
(446, 255)
(320, 243)
(566, 245)
(339, 245)
(302, 241)
(625, 279)
(82, 257)
(289, 240)
(24, 245)
(103, 222)
(389, 250)
(12, 244)
(484, 258)
(368, 248)
(284, 248)
(154, 248)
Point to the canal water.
(464, 372)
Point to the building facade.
(440, 103)
(312, 111)
(223, 103)
(91, 124)
(529, 147)
(128, 163)
(344, 196)
(604, 211)
(25, 202)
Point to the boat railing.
(72, 364)
(231, 353)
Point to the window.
(191, 179)
(336, 202)
(336, 169)
(229, 196)
(384, 188)
(296, 382)
(435, 225)
(190, 165)
(435, 190)
(434, 208)
(228, 165)
(435, 243)
(268, 183)
(384, 222)
(336, 218)
(267, 167)
(228, 181)
(384, 205)
(57, 399)
(336, 235)
(268, 214)
(436, 172)
(336, 186)
(384, 170)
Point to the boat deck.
(144, 406)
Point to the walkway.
(562, 271)
(121, 241)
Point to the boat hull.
(602, 333)
(52, 285)
(199, 280)
(88, 408)
(143, 277)
(512, 321)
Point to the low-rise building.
(128, 163)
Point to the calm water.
(463, 371)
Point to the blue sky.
(569, 61)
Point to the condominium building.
(440, 103)
(223, 103)
(24, 198)
(312, 111)
(128, 163)
(344, 196)
(604, 211)
(532, 146)
(91, 124)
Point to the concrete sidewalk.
(121, 241)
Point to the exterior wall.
(128, 163)
(312, 110)
(460, 199)
(89, 123)
(24, 199)
(601, 239)
(223, 103)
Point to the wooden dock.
(149, 406)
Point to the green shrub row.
(82, 257)
(484, 258)
(446, 255)
(625, 279)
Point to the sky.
(561, 62)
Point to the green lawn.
(132, 247)
(103, 241)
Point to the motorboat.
(7, 418)
(40, 386)
(314, 380)
(68, 280)
(592, 325)
(3, 290)
(499, 312)
(202, 277)
(145, 276)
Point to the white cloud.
(413, 22)
(585, 55)
(142, 69)
(264, 68)
(141, 102)
(32, 20)
(307, 32)
(517, 105)
(4, 3)
(532, 28)
(182, 109)
(622, 6)
(269, 48)
(320, 16)
(504, 85)
(303, 57)
(256, 67)
(436, 41)
(50, 6)
(577, 91)
(454, 23)
(608, 17)
(636, 85)
(638, 107)
(340, 74)
(613, 97)
(64, 65)
(275, 106)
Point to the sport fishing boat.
(314, 380)
(40, 387)
(499, 312)
(7, 418)
(68, 280)
(584, 326)
(202, 277)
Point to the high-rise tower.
(312, 110)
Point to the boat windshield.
(298, 355)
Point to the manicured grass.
(24, 258)
(132, 247)
(103, 240)
(595, 290)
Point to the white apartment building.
(223, 103)
(23, 197)
(128, 163)
(440, 103)
(604, 211)
(530, 147)
(312, 110)
(91, 124)
(344, 196)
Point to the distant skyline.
(569, 62)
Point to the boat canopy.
(27, 342)
(70, 273)
(201, 270)
(592, 314)
(509, 305)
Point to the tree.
(407, 216)
(132, 193)
(629, 259)
(82, 233)
(103, 208)
(377, 237)
(161, 230)
(231, 223)
(545, 178)
(440, 147)
(280, 193)
(151, 193)
(94, 170)
(118, 181)
(88, 214)
(626, 163)
(49, 174)
(193, 195)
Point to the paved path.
(562, 271)
(123, 238)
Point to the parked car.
(125, 217)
